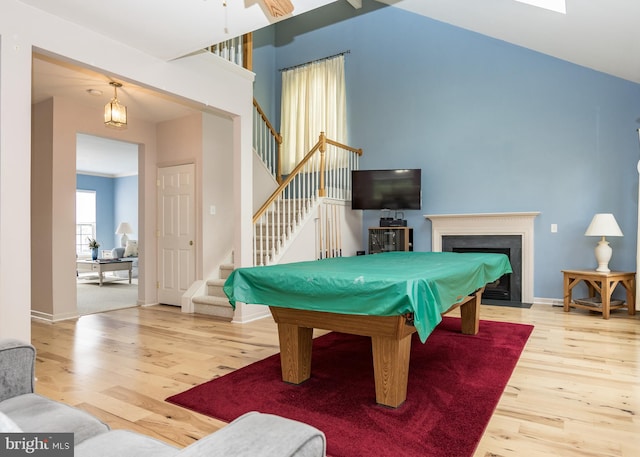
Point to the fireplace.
(519, 225)
(508, 287)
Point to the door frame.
(196, 223)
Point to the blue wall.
(263, 87)
(494, 127)
(126, 205)
(116, 201)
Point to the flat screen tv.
(386, 189)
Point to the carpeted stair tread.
(211, 300)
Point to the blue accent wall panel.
(103, 188)
(493, 126)
(116, 201)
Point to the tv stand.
(387, 239)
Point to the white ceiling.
(105, 157)
(598, 34)
(603, 35)
(169, 29)
(95, 155)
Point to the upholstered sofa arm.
(17, 365)
(265, 435)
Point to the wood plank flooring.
(575, 391)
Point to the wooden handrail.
(344, 146)
(275, 134)
(285, 183)
(321, 146)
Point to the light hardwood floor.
(574, 392)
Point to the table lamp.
(123, 229)
(603, 224)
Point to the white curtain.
(313, 101)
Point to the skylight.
(559, 6)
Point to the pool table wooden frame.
(390, 341)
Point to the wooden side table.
(601, 286)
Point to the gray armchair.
(32, 412)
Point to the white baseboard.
(47, 317)
(548, 301)
(247, 313)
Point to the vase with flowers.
(93, 245)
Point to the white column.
(15, 187)
(243, 202)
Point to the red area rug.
(455, 382)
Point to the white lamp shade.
(603, 224)
(124, 228)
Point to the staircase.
(324, 172)
(270, 240)
(300, 206)
(276, 227)
(215, 303)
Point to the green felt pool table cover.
(388, 284)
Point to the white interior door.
(176, 237)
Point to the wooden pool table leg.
(470, 314)
(391, 369)
(295, 352)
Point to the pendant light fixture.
(115, 114)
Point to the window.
(85, 221)
(313, 100)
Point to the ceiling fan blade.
(279, 8)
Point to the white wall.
(203, 78)
(264, 184)
(15, 160)
(217, 182)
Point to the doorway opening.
(106, 199)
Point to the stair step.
(269, 229)
(210, 300)
(268, 242)
(214, 311)
(226, 270)
(214, 288)
(213, 306)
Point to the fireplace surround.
(519, 223)
(508, 287)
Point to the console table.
(601, 286)
(100, 266)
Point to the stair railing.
(238, 50)
(315, 176)
(266, 142)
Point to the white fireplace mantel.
(490, 224)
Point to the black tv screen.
(386, 189)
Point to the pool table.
(386, 296)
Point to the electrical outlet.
(554, 228)
(212, 210)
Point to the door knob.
(191, 243)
